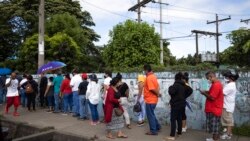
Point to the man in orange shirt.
(151, 94)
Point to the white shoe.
(184, 130)
(209, 139)
(226, 137)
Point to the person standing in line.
(140, 99)
(229, 92)
(66, 90)
(83, 101)
(124, 91)
(106, 84)
(93, 95)
(74, 83)
(57, 84)
(31, 90)
(22, 91)
(113, 122)
(189, 91)
(12, 94)
(151, 94)
(2, 88)
(49, 93)
(213, 106)
(42, 88)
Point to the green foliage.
(239, 52)
(243, 130)
(132, 45)
(60, 47)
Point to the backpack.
(28, 89)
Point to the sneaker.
(139, 124)
(184, 130)
(16, 114)
(226, 137)
(209, 139)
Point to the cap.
(141, 78)
(84, 75)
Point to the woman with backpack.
(31, 89)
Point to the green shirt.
(57, 83)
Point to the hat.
(141, 78)
(93, 77)
(84, 75)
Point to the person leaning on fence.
(113, 121)
(213, 106)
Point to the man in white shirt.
(74, 83)
(12, 94)
(229, 92)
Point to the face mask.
(105, 76)
(226, 80)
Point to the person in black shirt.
(42, 88)
(124, 91)
(83, 102)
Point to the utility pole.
(138, 7)
(41, 35)
(161, 30)
(217, 34)
(245, 21)
(196, 40)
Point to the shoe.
(209, 139)
(226, 137)
(16, 114)
(74, 115)
(56, 112)
(140, 123)
(64, 114)
(184, 130)
(93, 123)
(81, 119)
(169, 138)
(152, 134)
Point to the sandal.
(150, 133)
(169, 138)
(122, 136)
(128, 126)
(110, 137)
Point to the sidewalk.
(83, 128)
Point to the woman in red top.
(67, 94)
(113, 122)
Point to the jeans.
(176, 115)
(75, 103)
(57, 100)
(50, 100)
(153, 122)
(23, 98)
(83, 102)
(67, 101)
(94, 112)
(142, 114)
(124, 104)
(1, 95)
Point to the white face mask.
(226, 80)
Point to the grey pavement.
(83, 128)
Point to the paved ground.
(83, 128)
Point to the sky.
(183, 16)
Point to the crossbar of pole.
(206, 32)
(142, 3)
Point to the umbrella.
(50, 66)
(5, 71)
(189, 106)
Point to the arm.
(47, 89)
(171, 90)
(188, 90)
(140, 86)
(207, 95)
(8, 83)
(88, 92)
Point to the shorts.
(227, 118)
(213, 123)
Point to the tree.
(131, 45)
(239, 52)
(59, 47)
(19, 20)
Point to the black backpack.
(137, 107)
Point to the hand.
(202, 92)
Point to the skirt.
(116, 123)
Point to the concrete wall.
(196, 119)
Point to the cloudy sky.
(183, 15)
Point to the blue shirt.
(57, 83)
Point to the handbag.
(137, 107)
(118, 112)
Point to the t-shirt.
(57, 83)
(12, 89)
(22, 82)
(229, 92)
(151, 83)
(122, 89)
(75, 82)
(215, 106)
(83, 87)
(51, 89)
(93, 92)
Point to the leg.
(1, 96)
(85, 107)
(125, 109)
(92, 110)
(41, 98)
(56, 98)
(65, 102)
(29, 101)
(96, 113)
(179, 121)
(34, 101)
(151, 118)
(81, 106)
(16, 104)
(173, 122)
(9, 103)
(184, 120)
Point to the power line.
(108, 11)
